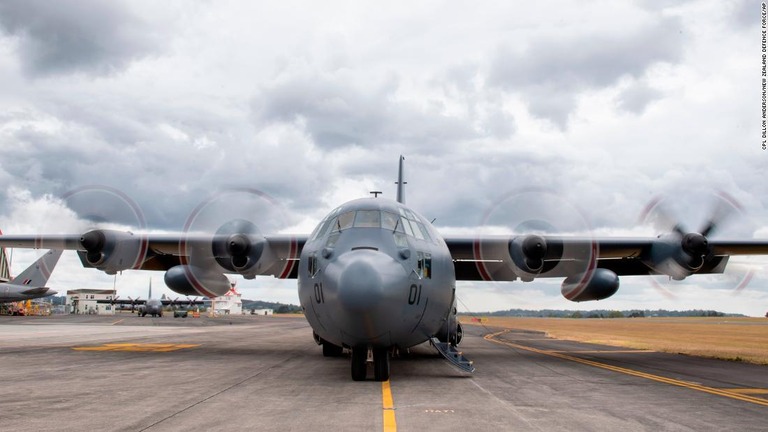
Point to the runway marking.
(603, 351)
(118, 321)
(135, 347)
(756, 391)
(693, 386)
(388, 407)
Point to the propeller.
(133, 302)
(237, 217)
(526, 217)
(172, 302)
(681, 252)
(103, 209)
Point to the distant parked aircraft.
(150, 306)
(30, 284)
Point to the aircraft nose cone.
(363, 282)
(360, 284)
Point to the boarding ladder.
(454, 356)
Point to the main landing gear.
(331, 350)
(381, 359)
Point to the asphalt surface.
(266, 373)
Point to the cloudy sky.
(137, 112)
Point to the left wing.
(591, 266)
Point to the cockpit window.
(407, 226)
(389, 221)
(322, 229)
(416, 231)
(424, 231)
(406, 222)
(368, 219)
(344, 221)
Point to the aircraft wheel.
(381, 364)
(331, 350)
(359, 357)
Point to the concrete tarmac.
(266, 373)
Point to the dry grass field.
(737, 339)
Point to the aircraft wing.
(185, 302)
(113, 251)
(507, 258)
(123, 302)
(165, 302)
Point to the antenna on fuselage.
(400, 183)
(375, 193)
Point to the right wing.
(195, 263)
(112, 251)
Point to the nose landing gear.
(381, 359)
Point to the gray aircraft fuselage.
(14, 293)
(376, 274)
(152, 307)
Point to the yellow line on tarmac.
(388, 407)
(640, 351)
(671, 381)
(133, 347)
(118, 321)
(756, 391)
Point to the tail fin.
(400, 183)
(5, 270)
(38, 273)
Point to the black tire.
(331, 350)
(359, 368)
(381, 364)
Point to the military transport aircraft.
(376, 276)
(151, 306)
(30, 284)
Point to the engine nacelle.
(239, 247)
(678, 257)
(112, 251)
(527, 254)
(602, 284)
(194, 281)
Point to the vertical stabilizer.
(400, 183)
(149, 295)
(5, 270)
(38, 273)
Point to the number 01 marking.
(414, 296)
(319, 293)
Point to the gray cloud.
(637, 96)
(551, 72)
(88, 36)
(337, 113)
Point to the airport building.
(230, 303)
(84, 301)
(262, 311)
